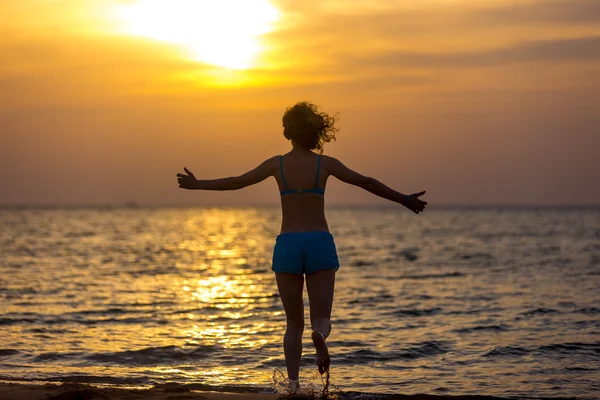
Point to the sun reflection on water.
(229, 301)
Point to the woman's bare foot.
(293, 387)
(323, 360)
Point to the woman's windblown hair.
(307, 127)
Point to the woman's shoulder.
(328, 160)
(271, 163)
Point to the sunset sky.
(477, 102)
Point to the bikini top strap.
(281, 171)
(318, 169)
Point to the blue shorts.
(304, 252)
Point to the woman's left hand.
(414, 203)
(188, 181)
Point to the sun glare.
(226, 33)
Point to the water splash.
(330, 391)
(325, 389)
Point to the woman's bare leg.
(320, 286)
(290, 290)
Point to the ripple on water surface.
(456, 301)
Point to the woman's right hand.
(414, 204)
(187, 180)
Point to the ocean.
(454, 301)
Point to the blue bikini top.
(316, 189)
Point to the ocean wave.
(540, 311)
(52, 356)
(142, 304)
(132, 320)
(75, 235)
(366, 355)
(409, 254)
(360, 263)
(587, 324)
(475, 256)
(580, 369)
(569, 348)
(475, 311)
(153, 355)
(111, 380)
(588, 310)
(104, 311)
(348, 343)
(507, 351)
(414, 312)
(14, 321)
(412, 352)
(81, 320)
(380, 298)
(563, 348)
(433, 276)
(200, 387)
(17, 291)
(480, 328)
(419, 296)
(8, 352)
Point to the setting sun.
(225, 33)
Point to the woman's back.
(301, 179)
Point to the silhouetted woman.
(305, 246)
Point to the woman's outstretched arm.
(258, 174)
(345, 174)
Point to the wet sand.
(77, 391)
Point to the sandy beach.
(77, 391)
